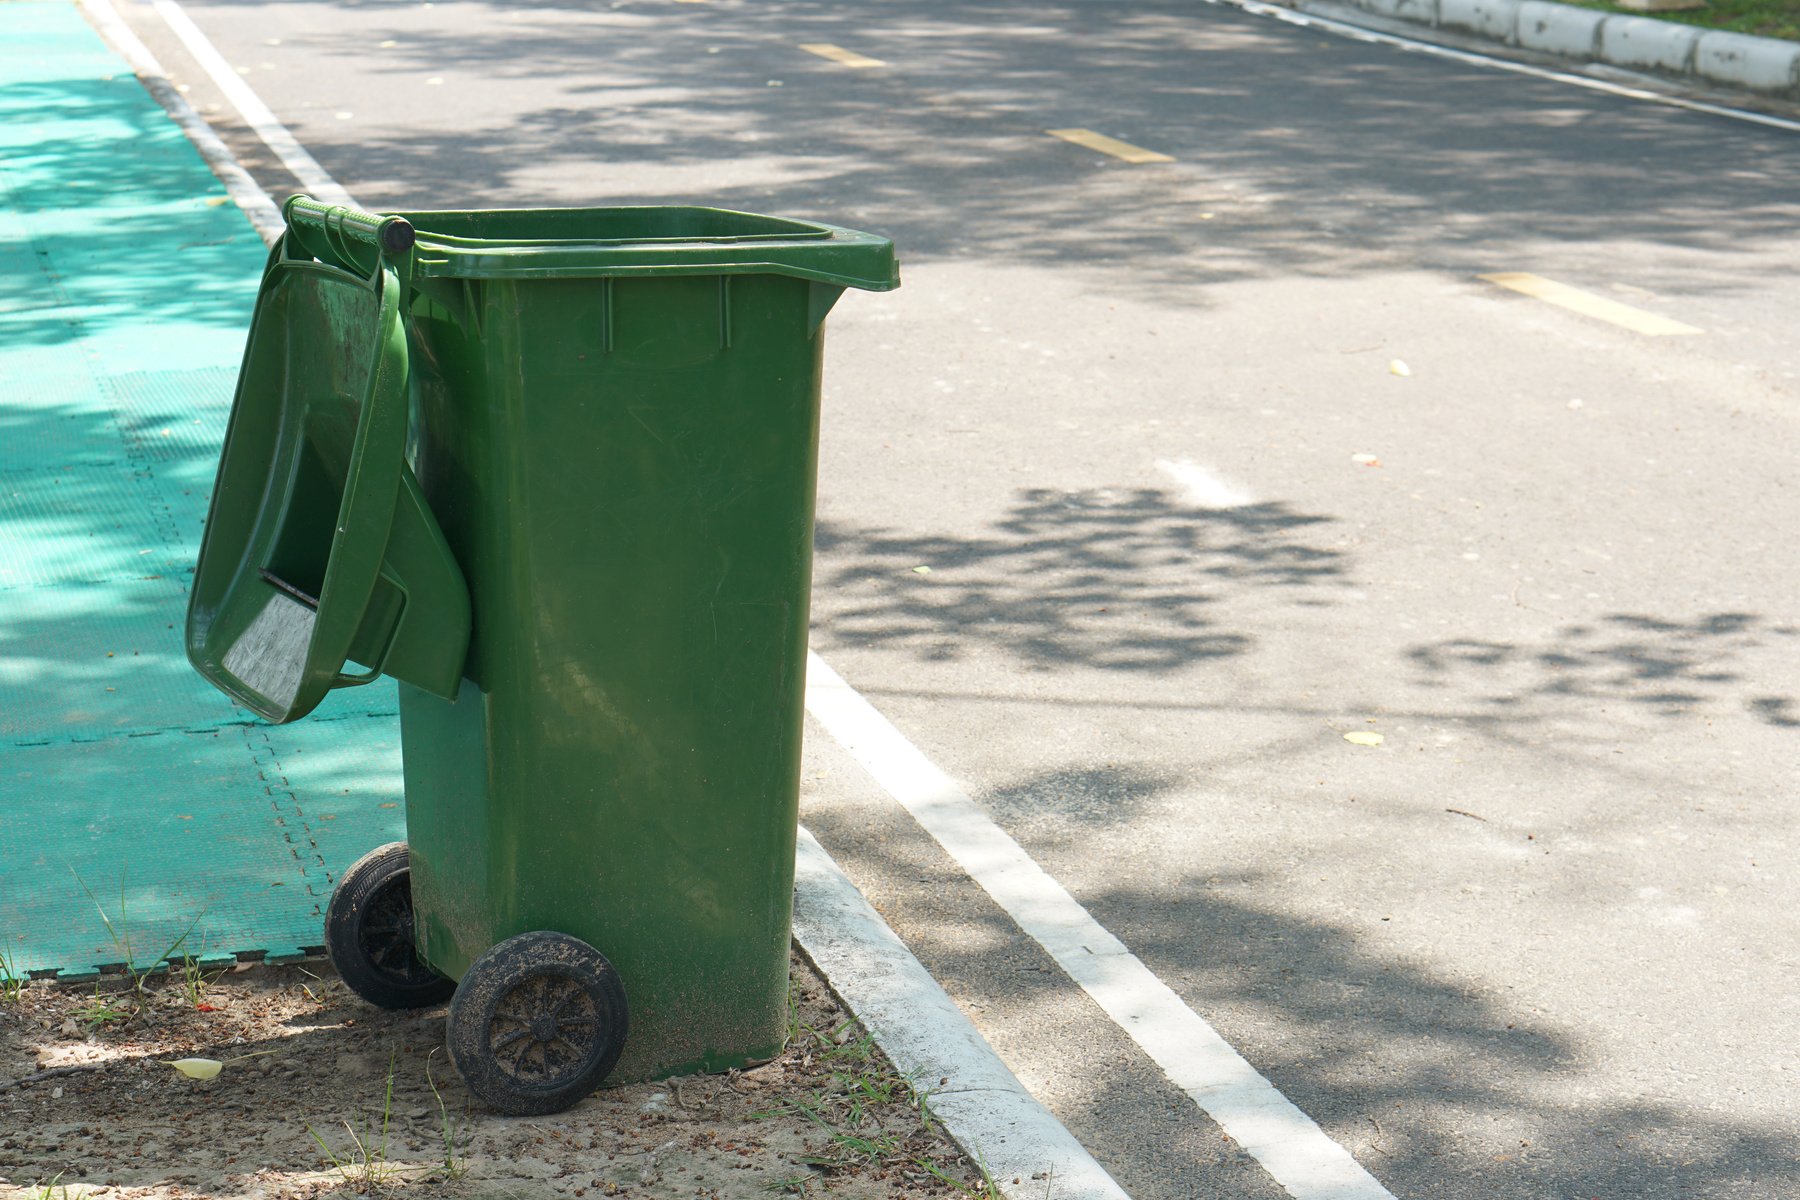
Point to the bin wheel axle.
(537, 1022)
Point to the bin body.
(624, 468)
(581, 446)
(620, 447)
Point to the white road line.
(1358, 33)
(314, 179)
(1200, 488)
(927, 1038)
(264, 216)
(1264, 1123)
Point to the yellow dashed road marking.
(1588, 304)
(838, 54)
(1106, 145)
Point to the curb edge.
(982, 1103)
(1763, 65)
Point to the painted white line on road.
(303, 166)
(1360, 34)
(1264, 1123)
(1200, 488)
(927, 1038)
(264, 216)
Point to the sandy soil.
(306, 1080)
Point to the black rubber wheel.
(369, 934)
(537, 1022)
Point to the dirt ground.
(321, 1093)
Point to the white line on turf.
(303, 166)
(1289, 1144)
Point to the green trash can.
(553, 470)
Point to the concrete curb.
(987, 1110)
(1767, 66)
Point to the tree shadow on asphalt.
(945, 149)
(1123, 580)
(1479, 1086)
(1438, 1086)
(1668, 667)
(1131, 581)
(1103, 795)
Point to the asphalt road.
(1188, 524)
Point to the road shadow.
(1100, 796)
(1420, 160)
(1667, 667)
(1121, 580)
(1439, 1086)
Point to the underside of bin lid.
(314, 507)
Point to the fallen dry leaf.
(196, 1068)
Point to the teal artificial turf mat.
(129, 787)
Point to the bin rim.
(808, 250)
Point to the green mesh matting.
(127, 783)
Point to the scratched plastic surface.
(126, 284)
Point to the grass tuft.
(103, 1010)
(365, 1165)
(120, 933)
(452, 1167)
(48, 1191)
(12, 980)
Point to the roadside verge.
(1766, 66)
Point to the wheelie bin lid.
(319, 548)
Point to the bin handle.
(394, 235)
